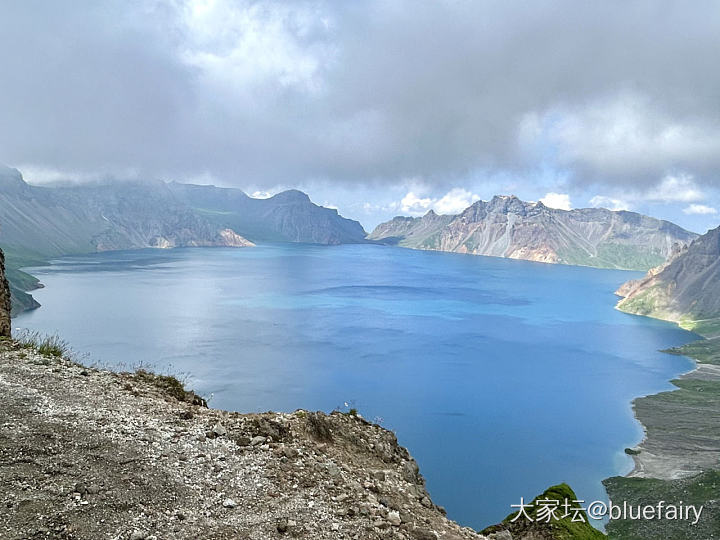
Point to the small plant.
(347, 408)
(170, 385)
(46, 345)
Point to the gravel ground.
(88, 454)
(682, 435)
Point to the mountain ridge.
(289, 216)
(508, 227)
(686, 289)
(38, 222)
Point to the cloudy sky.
(377, 108)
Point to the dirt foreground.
(88, 454)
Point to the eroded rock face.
(4, 300)
(509, 227)
(686, 288)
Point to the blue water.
(502, 377)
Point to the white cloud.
(262, 194)
(369, 207)
(412, 204)
(313, 90)
(601, 201)
(625, 136)
(39, 174)
(242, 46)
(680, 188)
(699, 209)
(455, 201)
(35, 174)
(560, 201)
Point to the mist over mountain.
(38, 222)
(509, 227)
(289, 216)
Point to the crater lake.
(502, 377)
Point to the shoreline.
(678, 457)
(699, 371)
(636, 451)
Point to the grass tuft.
(170, 385)
(47, 345)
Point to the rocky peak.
(291, 196)
(507, 204)
(685, 289)
(11, 180)
(475, 212)
(506, 226)
(431, 216)
(708, 244)
(402, 219)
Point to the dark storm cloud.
(284, 92)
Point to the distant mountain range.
(38, 222)
(289, 216)
(509, 227)
(686, 289)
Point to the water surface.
(502, 377)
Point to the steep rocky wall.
(4, 300)
(685, 290)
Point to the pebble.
(229, 503)
(257, 440)
(394, 518)
(290, 452)
(242, 441)
(419, 533)
(219, 430)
